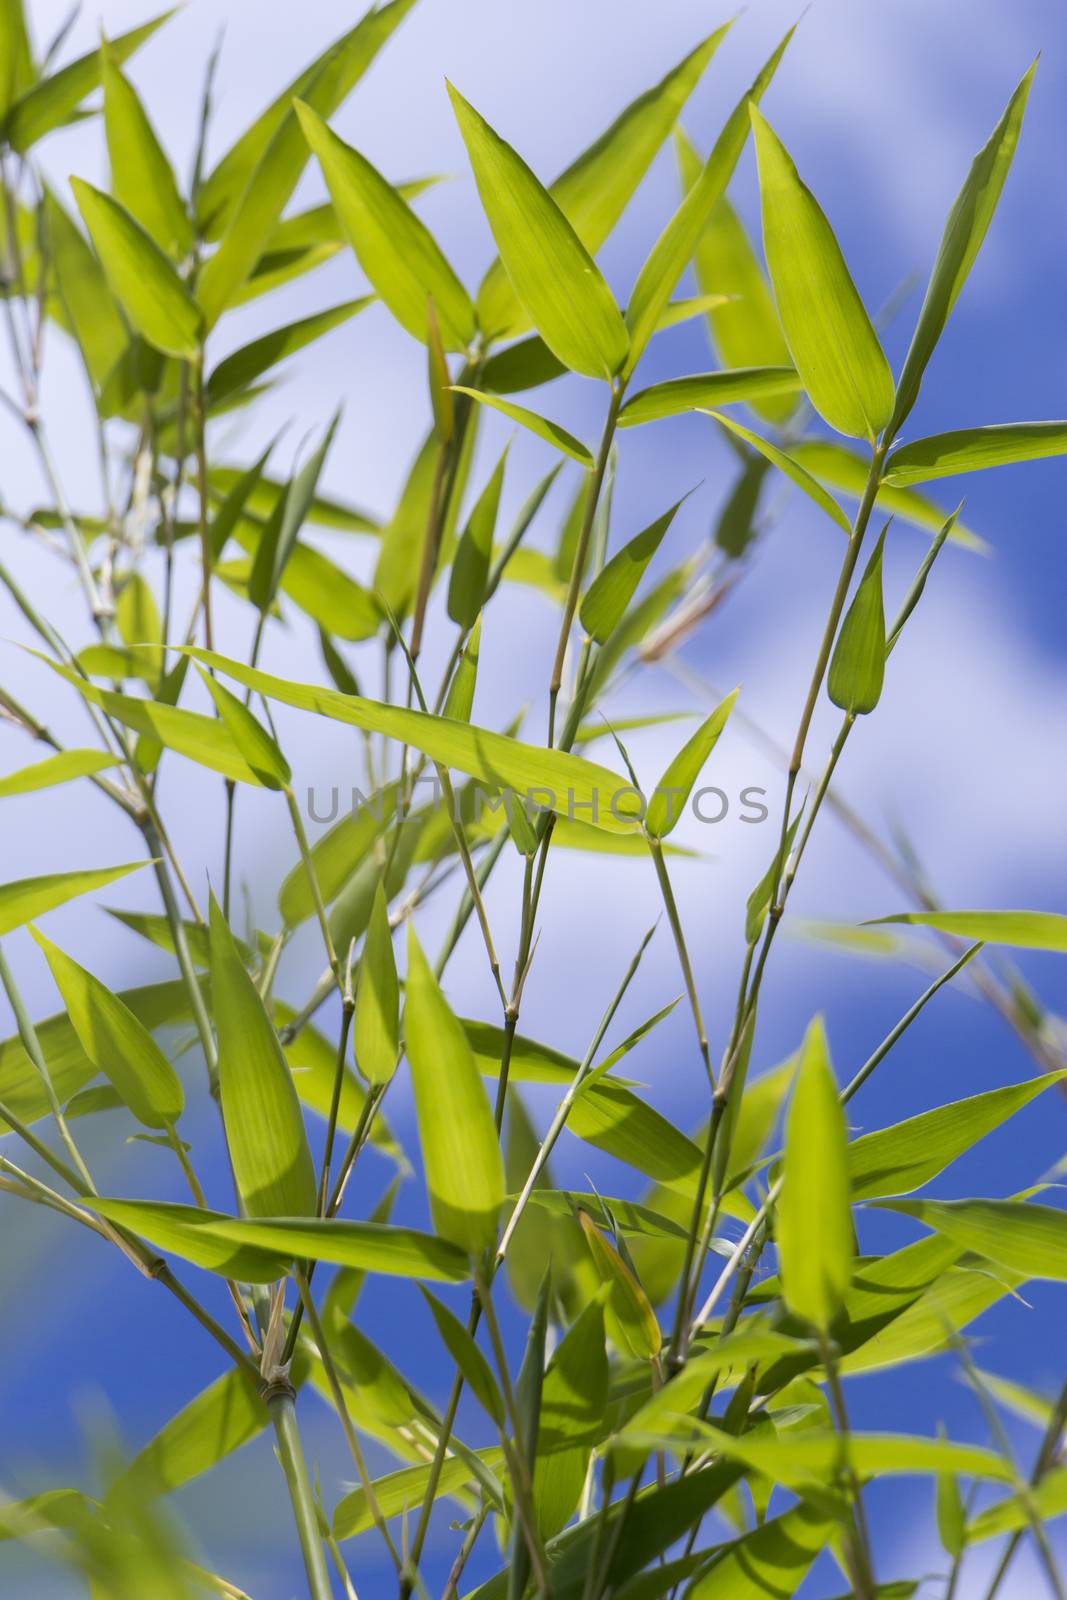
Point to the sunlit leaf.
(376, 1024)
(814, 1217)
(60, 768)
(845, 469)
(706, 390)
(1023, 1237)
(545, 429)
(25, 899)
(55, 99)
(631, 1319)
(142, 178)
(672, 792)
(244, 366)
(973, 450)
(604, 602)
(857, 666)
(143, 280)
(791, 467)
(468, 1358)
(470, 564)
(1027, 930)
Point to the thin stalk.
(200, 448)
(857, 1539)
(282, 1408)
(671, 907)
(451, 1589)
(185, 960)
(313, 881)
(1047, 1455)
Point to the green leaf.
(551, 432)
(1018, 1399)
(631, 1319)
(705, 390)
(815, 1240)
(973, 450)
(468, 1359)
(278, 540)
(966, 228)
(950, 1514)
(116, 1042)
(470, 565)
(846, 470)
(1027, 930)
(459, 702)
(26, 899)
(595, 189)
(899, 1159)
(1026, 1238)
(404, 1491)
(265, 1134)
(139, 623)
(758, 903)
(553, 275)
(16, 55)
(395, 249)
(142, 178)
(461, 1153)
(834, 346)
(857, 667)
(55, 100)
(574, 1395)
(792, 468)
(604, 602)
(797, 1457)
(376, 1024)
(774, 1559)
(143, 280)
(251, 738)
(332, 75)
(60, 768)
(260, 1249)
(263, 495)
(215, 1423)
(674, 248)
(1044, 1500)
(336, 855)
(674, 788)
(93, 316)
(552, 778)
(244, 366)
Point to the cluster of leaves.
(652, 1389)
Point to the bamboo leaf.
(251, 738)
(1027, 930)
(282, 531)
(143, 280)
(815, 1241)
(260, 1249)
(846, 470)
(94, 318)
(459, 702)
(676, 245)
(1028, 1239)
(798, 1457)
(60, 768)
(265, 1134)
(215, 1423)
(376, 1024)
(263, 495)
(550, 778)
(439, 378)
(574, 1395)
(793, 469)
(1044, 1500)
(461, 1154)
(142, 178)
(244, 366)
(607, 597)
(139, 623)
(116, 1042)
(470, 565)
(774, 1558)
(899, 1159)
(966, 228)
(974, 450)
(834, 346)
(674, 788)
(551, 432)
(26, 899)
(468, 1359)
(404, 1491)
(631, 1319)
(950, 1514)
(857, 667)
(552, 273)
(595, 190)
(55, 100)
(16, 55)
(706, 390)
(395, 249)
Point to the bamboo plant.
(674, 1419)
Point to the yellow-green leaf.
(1027, 930)
(459, 702)
(116, 1041)
(847, 470)
(551, 432)
(26, 899)
(815, 1240)
(265, 1134)
(395, 249)
(142, 178)
(631, 1319)
(251, 738)
(674, 788)
(604, 602)
(857, 667)
(1026, 1238)
(470, 564)
(94, 318)
(54, 100)
(974, 450)
(251, 361)
(143, 280)
(791, 467)
(376, 1024)
(833, 343)
(60, 768)
(552, 273)
(460, 1148)
(705, 390)
(468, 1358)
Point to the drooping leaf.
(1026, 1238)
(672, 793)
(857, 666)
(143, 280)
(395, 249)
(116, 1041)
(552, 273)
(845, 469)
(251, 738)
(544, 428)
(25, 899)
(404, 1491)
(675, 247)
(834, 346)
(966, 228)
(973, 450)
(265, 1134)
(470, 565)
(574, 1394)
(631, 1319)
(142, 178)
(376, 1024)
(791, 467)
(604, 602)
(60, 768)
(235, 372)
(814, 1217)
(55, 99)
(464, 1169)
(215, 1423)
(468, 1358)
(551, 778)
(773, 1559)
(1027, 930)
(706, 390)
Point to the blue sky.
(882, 108)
